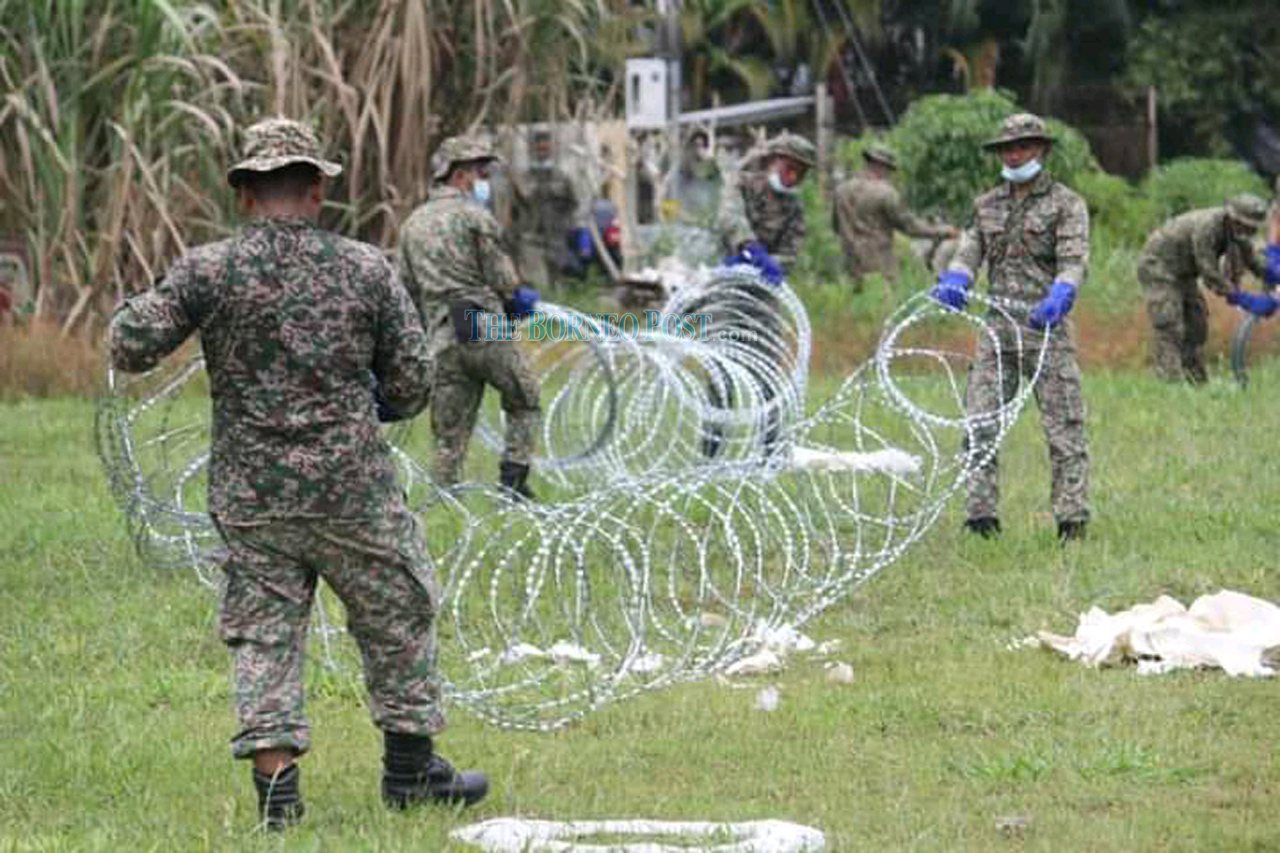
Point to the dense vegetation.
(119, 115)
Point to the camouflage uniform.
(867, 210)
(751, 210)
(292, 319)
(1185, 248)
(1028, 244)
(451, 257)
(546, 208)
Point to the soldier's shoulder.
(205, 259)
(429, 215)
(993, 197)
(361, 253)
(1064, 195)
(207, 252)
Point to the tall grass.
(119, 116)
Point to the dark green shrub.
(1117, 210)
(1194, 182)
(942, 163)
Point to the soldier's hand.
(386, 412)
(523, 301)
(952, 289)
(1258, 304)
(755, 254)
(1053, 307)
(1271, 274)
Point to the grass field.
(115, 706)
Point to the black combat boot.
(412, 773)
(514, 477)
(1069, 531)
(986, 527)
(279, 801)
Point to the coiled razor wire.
(646, 562)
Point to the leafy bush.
(1116, 208)
(820, 257)
(1194, 182)
(941, 159)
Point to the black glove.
(386, 412)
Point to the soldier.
(293, 320)
(1033, 234)
(546, 209)
(761, 222)
(457, 272)
(1190, 246)
(761, 203)
(868, 209)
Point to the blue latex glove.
(524, 301)
(386, 412)
(952, 289)
(582, 243)
(1271, 275)
(1255, 303)
(756, 255)
(1053, 307)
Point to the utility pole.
(671, 48)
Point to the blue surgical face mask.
(1021, 174)
(776, 184)
(481, 191)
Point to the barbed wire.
(696, 503)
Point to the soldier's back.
(438, 251)
(293, 319)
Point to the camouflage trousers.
(1060, 401)
(543, 262)
(462, 371)
(1179, 322)
(380, 570)
(863, 259)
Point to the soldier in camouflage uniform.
(868, 209)
(760, 220)
(1033, 234)
(458, 274)
(546, 209)
(294, 321)
(761, 204)
(1195, 245)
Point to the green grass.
(115, 706)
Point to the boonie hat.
(1248, 210)
(274, 143)
(794, 146)
(880, 154)
(1018, 127)
(460, 149)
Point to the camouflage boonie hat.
(794, 146)
(278, 142)
(1017, 127)
(1248, 210)
(880, 154)
(459, 149)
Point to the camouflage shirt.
(451, 250)
(756, 212)
(292, 318)
(546, 206)
(1027, 243)
(869, 209)
(1190, 246)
